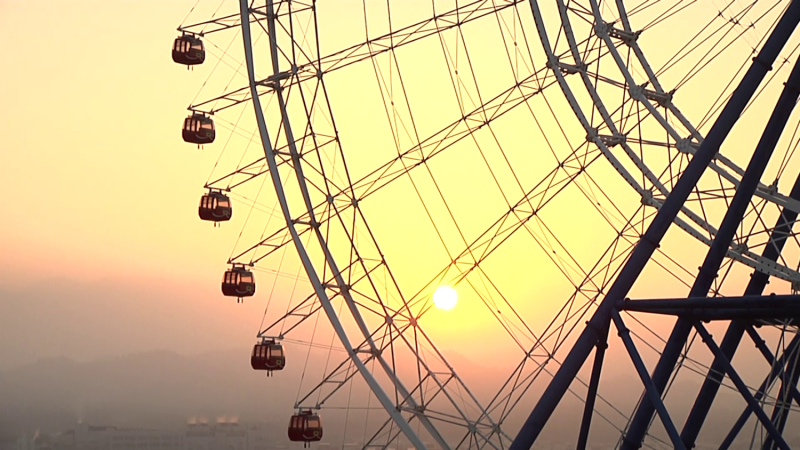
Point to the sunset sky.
(105, 191)
(101, 250)
(103, 188)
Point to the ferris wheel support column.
(594, 381)
(719, 248)
(736, 329)
(697, 224)
(774, 372)
(319, 289)
(752, 403)
(658, 227)
(780, 412)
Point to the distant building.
(34, 441)
(225, 434)
(89, 437)
(128, 439)
(260, 438)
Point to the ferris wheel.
(553, 171)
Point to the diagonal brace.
(594, 382)
(650, 388)
(722, 241)
(737, 381)
(783, 404)
(761, 345)
(735, 332)
(761, 392)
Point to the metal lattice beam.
(655, 232)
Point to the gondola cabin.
(198, 129)
(238, 282)
(305, 427)
(268, 356)
(188, 50)
(215, 207)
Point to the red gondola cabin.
(305, 427)
(215, 207)
(188, 50)
(238, 282)
(198, 129)
(268, 355)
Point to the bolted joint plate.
(628, 37)
(612, 140)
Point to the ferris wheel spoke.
(313, 69)
(241, 175)
(418, 403)
(616, 138)
(566, 163)
(493, 109)
(424, 402)
(484, 426)
(429, 373)
(514, 220)
(333, 381)
(446, 138)
(559, 329)
(340, 287)
(331, 313)
(331, 197)
(387, 433)
(234, 20)
(297, 314)
(664, 99)
(413, 158)
(248, 171)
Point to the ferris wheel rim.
(740, 254)
(310, 209)
(310, 270)
(393, 410)
(318, 283)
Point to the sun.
(445, 298)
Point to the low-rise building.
(224, 434)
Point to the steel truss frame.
(331, 281)
(605, 139)
(610, 136)
(690, 311)
(601, 141)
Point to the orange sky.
(104, 189)
(91, 151)
(102, 195)
(101, 182)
